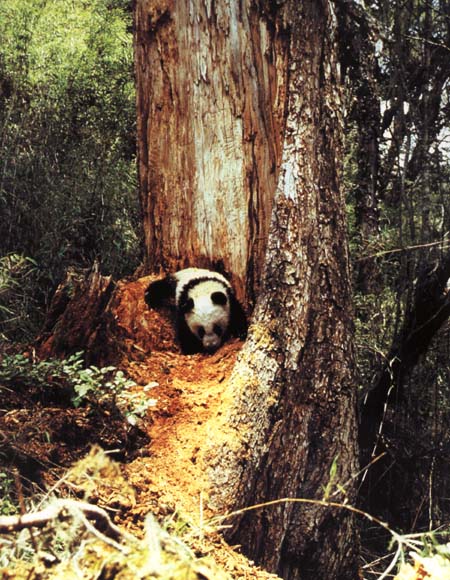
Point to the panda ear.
(219, 298)
(160, 293)
(187, 306)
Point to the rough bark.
(293, 392)
(210, 96)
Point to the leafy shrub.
(91, 385)
(8, 506)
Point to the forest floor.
(159, 458)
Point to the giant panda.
(207, 311)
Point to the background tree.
(399, 322)
(293, 390)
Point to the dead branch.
(61, 509)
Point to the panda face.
(207, 317)
(206, 308)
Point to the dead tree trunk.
(233, 99)
(76, 320)
(210, 99)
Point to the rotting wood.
(76, 315)
(105, 320)
(210, 95)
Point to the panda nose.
(211, 345)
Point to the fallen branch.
(61, 509)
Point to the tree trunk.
(430, 310)
(210, 98)
(236, 101)
(358, 52)
(76, 320)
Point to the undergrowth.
(18, 307)
(71, 379)
(71, 546)
(68, 180)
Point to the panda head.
(206, 312)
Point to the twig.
(401, 540)
(443, 243)
(61, 509)
(426, 40)
(19, 490)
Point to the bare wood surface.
(211, 81)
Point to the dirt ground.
(42, 436)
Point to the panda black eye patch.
(219, 298)
(217, 329)
(201, 332)
(187, 306)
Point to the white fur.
(183, 277)
(205, 314)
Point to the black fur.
(195, 282)
(219, 298)
(185, 307)
(161, 293)
(238, 320)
